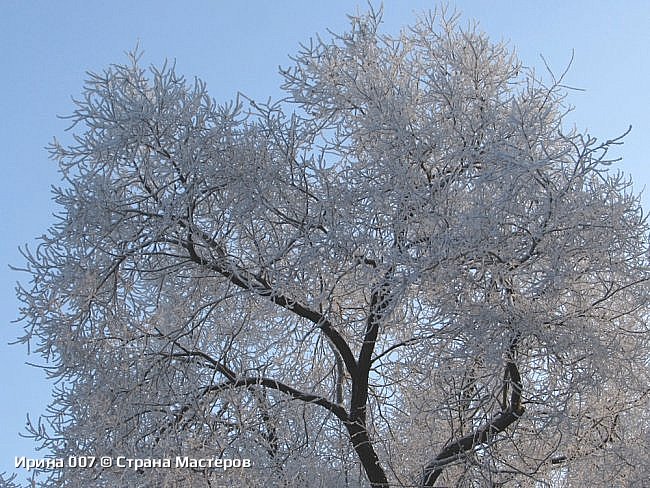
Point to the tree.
(405, 273)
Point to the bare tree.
(408, 272)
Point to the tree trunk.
(367, 455)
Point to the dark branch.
(359, 398)
(482, 435)
(337, 410)
(256, 284)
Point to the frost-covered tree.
(408, 272)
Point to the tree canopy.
(408, 272)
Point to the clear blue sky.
(46, 47)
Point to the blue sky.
(46, 47)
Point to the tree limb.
(483, 434)
(270, 383)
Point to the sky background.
(46, 47)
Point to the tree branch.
(337, 410)
(483, 434)
(247, 281)
(359, 398)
